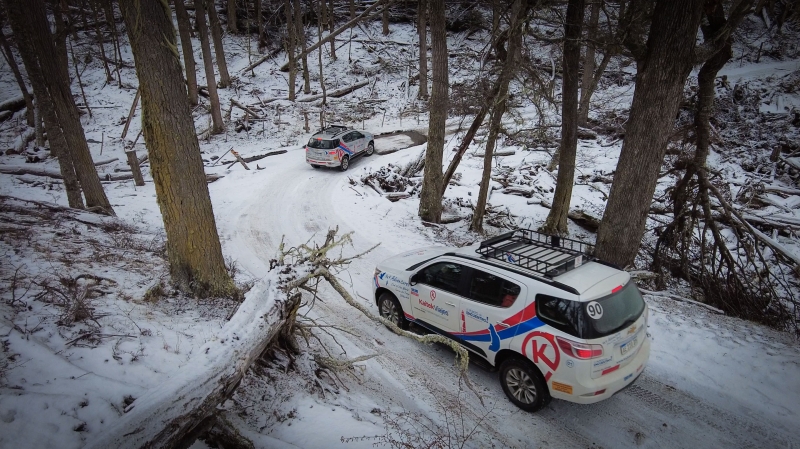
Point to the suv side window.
(443, 275)
(557, 312)
(348, 137)
(358, 135)
(489, 289)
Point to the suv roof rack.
(333, 130)
(544, 254)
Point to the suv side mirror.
(415, 278)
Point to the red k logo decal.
(433, 295)
(543, 350)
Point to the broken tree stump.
(133, 162)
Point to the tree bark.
(301, 41)
(291, 32)
(260, 25)
(193, 248)
(31, 27)
(331, 29)
(422, 32)
(659, 92)
(430, 204)
(99, 37)
(589, 64)
(518, 11)
(233, 27)
(184, 29)
(218, 126)
(108, 11)
(216, 35)
(385, 21)
(29, 112)
(557, 218)
(60, 37)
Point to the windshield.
(322, 144)
(593, 319)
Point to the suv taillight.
(580, 351)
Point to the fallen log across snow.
(336, 93)
(178, 410)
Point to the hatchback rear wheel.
(390, 310)
(523, 384)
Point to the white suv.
(556, 321)
(337, 145)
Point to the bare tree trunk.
(99, 36)
(193, 247)
(422, 13)
(557, 218)
(232, 25)
(29, 109)
(518, 12)
(108, 10)
(589, 64)
(39, 129)
(430, 203)
(331, 28)
(659, 91)
(216, 35)
(32, 31)
(184, 29)
(260, 24)
(301, 40)
(352, 9)
(218, 125)
(290, 47)
(60, 38)
(320, 26)
(385, 21)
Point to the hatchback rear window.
(592, 319)
(323, 144)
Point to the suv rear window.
(323, 144)
(584, 320)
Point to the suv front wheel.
(345, 163)
(523, 384)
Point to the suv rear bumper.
(611, 383)
(324, 163)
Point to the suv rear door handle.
(450, 304)
(501, 325)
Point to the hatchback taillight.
(580, 351)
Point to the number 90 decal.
(595, 310)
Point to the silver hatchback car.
(337, 145)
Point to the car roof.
(332, 131)
(590, 280)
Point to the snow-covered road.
(666, 407)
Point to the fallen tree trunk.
(336, 93)
(174, 413)
(13, 105)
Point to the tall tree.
(232, 25)
(660, 78)
(32, 30)
(589, 63)
(331, 28)
(193, 248)
(301, 40)
(291, 44)
(422, 32)
(430, 202)
(518, 13)
(385, 21)
(218, 125)
(557, 218)
(29, 110)
(185, 31)
(219, 51)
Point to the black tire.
(524, 384)
(345, 163)
(390, 309)
(315, 165)
(370, 149)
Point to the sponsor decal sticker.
(433, 295)
(601, 362)
(564, 388)
(414, 292)
(624, 379)
(543, 351)
(476, 316)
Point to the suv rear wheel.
(390, 310)
(370, 148)
(523, 384)
(345, 163)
